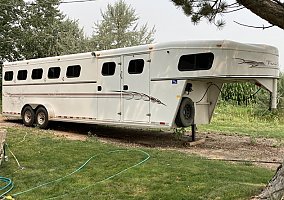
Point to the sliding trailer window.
(73, 71)
(22, 74)
(194, 62)
(8, 76)
(53, 72)
(108, 68)
(37, 73)
(136, 66)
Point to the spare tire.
(186, 113)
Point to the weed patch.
(246, 120)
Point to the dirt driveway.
(216, 145)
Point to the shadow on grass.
(128, 135)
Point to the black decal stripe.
(116, 94)
(55, 83)
(210, 77)
(64, 95)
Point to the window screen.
(136, 66)
(73, 71)
(53, 72)
(108, 68)
(22, 74)
(37, 73)
(8, 76)
(192, 62)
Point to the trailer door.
(136, 88)
(109, 89)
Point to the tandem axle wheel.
(37, 117)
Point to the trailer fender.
(49, 109)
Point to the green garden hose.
(8, 186)
(147, 156)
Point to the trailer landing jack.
(190, 139)
(193, 132)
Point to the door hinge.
(149, 60)
(119, 113)
(119, 63)
(148, 115)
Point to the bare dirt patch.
(216, 145)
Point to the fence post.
(2, 144)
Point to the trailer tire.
(41, 117)
(186, 113)
(28, 116)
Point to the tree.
(270, 10)
(119, 28)
(41, 25)
(274, 189)
(71, 38)
(11, 30)
(36, 30)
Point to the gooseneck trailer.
(173, 84)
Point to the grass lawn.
(247, 121)
(166, 175)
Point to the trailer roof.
(206, 44)
(193, 44)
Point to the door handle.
(125, 87)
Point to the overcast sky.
(172, 25)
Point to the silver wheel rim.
(187, 112)
(28, 116)
(41, 118)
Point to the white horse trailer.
(174, 84)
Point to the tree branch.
(268, 10)
(234, 10)
(279, 2)
(250, 26)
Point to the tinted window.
(136, 66)
(22, 74)
(201, 61)
(37, 73)
(73, 71)
(108, 69)
(53, 72)
(8, 76)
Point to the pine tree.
(269, 10)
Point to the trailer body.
(172, 84)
